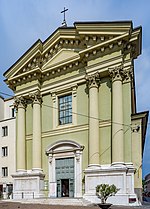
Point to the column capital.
(93, 80)
(128, 74)
(116, 73)
(20, 102)
(36, 97)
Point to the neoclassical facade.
(77, 124)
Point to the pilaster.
(127, 111)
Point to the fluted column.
(36, 143)
(20, 105)
(117, 115)
(93, 84)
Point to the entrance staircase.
(55, 201)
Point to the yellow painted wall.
(82, 105)
(105, 145)
(29, 119)
(137, 153)
(105, 100)
(29, 154)
(47, 113)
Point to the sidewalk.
(15, 205)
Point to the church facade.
(77, 124)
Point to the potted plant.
(103, 191)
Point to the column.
(36, 142)
(117, 115)
(93, 84)
(20, 105)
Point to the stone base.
(121, 175)
(28, 185)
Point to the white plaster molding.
(61, 130)
(75, 151)
(60, 92)
(121, 176)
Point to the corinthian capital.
(20, 102)
(116, 73)
(93, 80)
(128, 74)
(36, 97)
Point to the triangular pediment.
(64, 55)
(69, 47)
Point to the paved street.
(16, 205)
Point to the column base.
(37, 170)
(21, 171)
(122, 176)
(118, 164)
(94, 166)
(28, 185)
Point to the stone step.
(55, 201)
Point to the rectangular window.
(65, 109)
(4, 151)
(5, 131)
(4, 171)
(13, 112)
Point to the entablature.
(71, 48)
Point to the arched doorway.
(65, 169)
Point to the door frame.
(65, 149)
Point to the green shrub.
(103, 191)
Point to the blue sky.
(22, 22)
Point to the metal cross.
(64, 21)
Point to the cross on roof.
(64, 21)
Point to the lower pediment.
(63, 56)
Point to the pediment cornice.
(85, 42)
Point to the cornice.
(105, 44)
(103, 27)
(26, 91)
(69, 129)
(53, 87)
(26, 73)
(59, 34)
(29, 54)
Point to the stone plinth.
(28, 185)
(121, 175)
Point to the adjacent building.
(147, 184)
(7, 145)
(77, 124)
